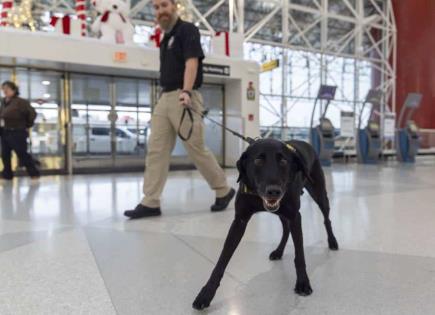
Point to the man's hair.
(12, 86)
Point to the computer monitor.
(374, 126)
(412, 126)
(326, 125)
(326, 92)
(374, 96)
(413, 100)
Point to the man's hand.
(185, 99)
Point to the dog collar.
(245, 190)
(290, 147)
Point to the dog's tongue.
(272, 200)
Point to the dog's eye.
(283, 162)
(258, 162)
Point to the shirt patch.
(171, 42)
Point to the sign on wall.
(389, 125)
(270, 65)
(216, 69)
(347, 123)
(120, 56)
(250, 92)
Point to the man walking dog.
(181, 75)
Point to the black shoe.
(142, 211)
(222, 202)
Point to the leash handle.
(189, 134)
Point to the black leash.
(186, 110)
(249, 140)
(203, 114)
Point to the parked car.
(45, 138)
(142, 134)
(100, 139)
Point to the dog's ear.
(241, 166)
(300, 161)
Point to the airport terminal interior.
(352, 80)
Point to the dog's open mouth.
(271, 204)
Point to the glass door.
(133, 111)
(91, 106)
(47, 141)
(110, 119)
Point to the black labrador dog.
(272, 175)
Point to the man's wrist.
(187, 92)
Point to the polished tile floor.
(65, 247)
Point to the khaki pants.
(164, 126)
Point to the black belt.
(13, 129)
(170, 89)
(166, 89)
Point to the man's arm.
(190, 73)
(192, 53)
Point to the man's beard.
(167, 22)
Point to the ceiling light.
(45, 82)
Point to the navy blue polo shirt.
(181, 43)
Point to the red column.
(415, 21)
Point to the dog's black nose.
(115, 6)
(273, 191)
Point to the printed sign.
(120, 56)
(270, 65)
(347, 123)
(250, 92)
(216, 69)
(389, 125)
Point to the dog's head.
(267, 167)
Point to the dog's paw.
(275, 255)
(203, 299)
(332, 242)
(303, 288)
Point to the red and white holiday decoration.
(157, 36)
(81, 15)
(67, 26)
(6, 9)
(226, 38)
(227, 44)
(113, 23)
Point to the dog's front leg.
(303, 286)
(234, 236)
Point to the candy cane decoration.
(81, 14)
(6, 9)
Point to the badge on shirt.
(171, 42)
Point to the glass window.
(90, 90)
(127, 92)
(99, 131)
(121, 134)
(5, 74)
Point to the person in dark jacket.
(16, 116)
